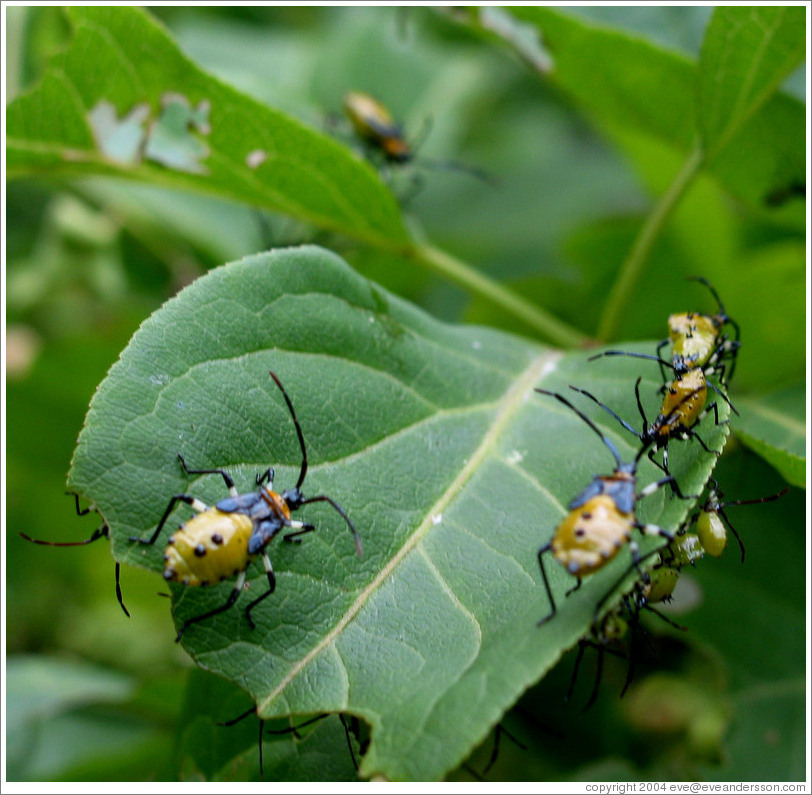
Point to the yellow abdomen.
(693, 336)
(684, 401)
(209, 548)
(590, 536)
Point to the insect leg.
(232, 598)
(541, 552)
(294, 537)
(193, 502)
(118, 590)
(342, 513)
(271, 588)
(226, 477)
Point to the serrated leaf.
(627, 81)
(430, 436)
(774, 426)
(123, 100)
(746, 54)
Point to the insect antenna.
(303, 470)
(610, 446)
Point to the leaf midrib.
(507, 407)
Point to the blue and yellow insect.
(222, 540)
(601, 518)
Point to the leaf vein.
(510, 403)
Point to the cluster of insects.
(221, 541)
(602, 518)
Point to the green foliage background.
(583, 155)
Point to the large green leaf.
(124, 100)
(453, 470)
(774, 426)
(627, 81)
(746, 54)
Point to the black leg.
(242, 716)
(663, 617)
(266, 477)
(598, 676)
(232, 598)
(294, 730)
(635, 627)
(551, 614)
(118, 591)
(660, 347)
(293, 538)
(722, 513)
(342, 513)
(226, 477)
(349, 739)
(250, 711)
(187, 498)
(694, 435)
(582, 644)
(271, 588)
(79, 511)
(635, 564)
(652, 452)
(99, 532)
(472, 772)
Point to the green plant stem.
(548, 326)
(620, 297)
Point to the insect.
(687, 547)
(697, 339)
(612, 629)
(697, 343)
(222, 540)
(681, 409)
(499, 730)
(100, 532)
(374, 124)
(377, 128)
(351, 726)
(621, 626)
(712, 522)
(601, 518)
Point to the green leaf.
(626, 81)
(39, 687)
(774, 426)
(746, 54)
(210, 750)
(123, 100)
(430, 436)
(42, 692)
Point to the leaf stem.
(549, 326)
(620, 297)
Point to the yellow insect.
(221, 541)
(697, 339)
(601, 518)
(374, 124)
